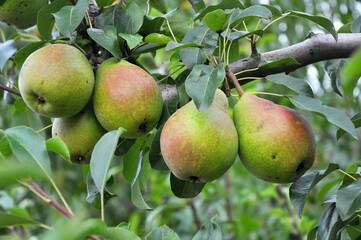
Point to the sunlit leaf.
(351, 74)
(215, 20)
(157, 38)
(58, 146)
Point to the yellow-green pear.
(276, 143)
(126, 96)
(200, 146)
(80, 133)
(56, 81)
(21, 13)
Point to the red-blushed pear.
(277, 144)
(80, 133)
(21, 13)
(200, 146)
(126, 96)
(56, 81)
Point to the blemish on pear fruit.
(40, 100)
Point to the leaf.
(298, 85)
(356, 24)
(202, 36)
(130, 162)
(333, 115)
(356, 120)
(334, 70)
(151, 25)
(155, 155)
(202, 83)
(237, 16)
(116, 233)
(275, 12)
(46, 20)
(7, 219)
(24, 53)
(300, 188)
(312, 234)
(107, 38)
(329, 218)
(162, 233)
(170, 14)
(93, 197)
(210, 231)
(150, 47)
(29, 147)
(215, 20)
(185, 189)
(5, 150)
(58, 146)
(174, 46)
(20, 105)
(351, 74)
(11, 172)
(241, 34)
(322, 21)
(224, 4)
(102, 156)
(348, 199)
(136, 194)
(7, 49)
(157, 38)
(128, 20)
(197, 4)
(132, 40)
(160, 5)
(69, 17)
(279, 63)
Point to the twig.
(230, 75)
(290, 212)
(11, 90)
(197, 221)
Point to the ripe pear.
(277, 144)
(126, 96)
(80, 133)
(21, 13)
(200, 146)
(56, 81)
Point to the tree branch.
(11, 90)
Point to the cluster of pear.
(274, 143)
(58, 81)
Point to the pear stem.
(230, 75)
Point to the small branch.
(197, 221)
(290, 212)
(11, 90)
(230, 75)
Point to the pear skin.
(277, 144)
(80, 133)
(200, 146)
(56, 81)
(126, 96)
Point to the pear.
(126, 96)
(276, 143)
(21, 13)
(80, 133)
(200, 146)
(56, 81)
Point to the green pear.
(56, 81)
(276, 143)
(21, 13)
(200, 146)
(126, 96)
(80, 133)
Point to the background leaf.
(351, 74)
(209, 230)
(12, 172)
(7, 49)
(300, 86)
(7, 219)
(162, 233)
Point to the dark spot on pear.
(56, 134)
(40, 100)
(300, 167)
(277, 178)
(274, 156)
(79, 159)
(143, 127)
(82, 112)
(194, 178)
(86, 81)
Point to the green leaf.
(5, 150)
(162, 233)
(130, 159)
(275, 12)
(7, 219)
(334, 69)
(210, 231)
(58, 146)
(11, 172)
(128, 20)
(328, 220)
(46, 20)
(348, 199)
(9, 237)
(20, 105)
(356, 24)
(322, 21)
(102, 156)
(174, 46)
(215, 20)
(356, 120)
(237, 16)
(69, 17)
(197, 4)
(155, 155)
(202, 36)
(160, 5)
(241, 34)
(202, 83)
(279, 63)
(185, 189)
(107, 38)
(312, 234)
(157, 38)
(136, 194)
(170, 14)
(150, 47)
(116, 233)
(298, 85)
(151, 25)
(333, 115)
(351, 74)
(7, 49)
(132, 40)
(93, 197)
(24, 53)
(29, 147)
(224, 4)
(300, 188)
